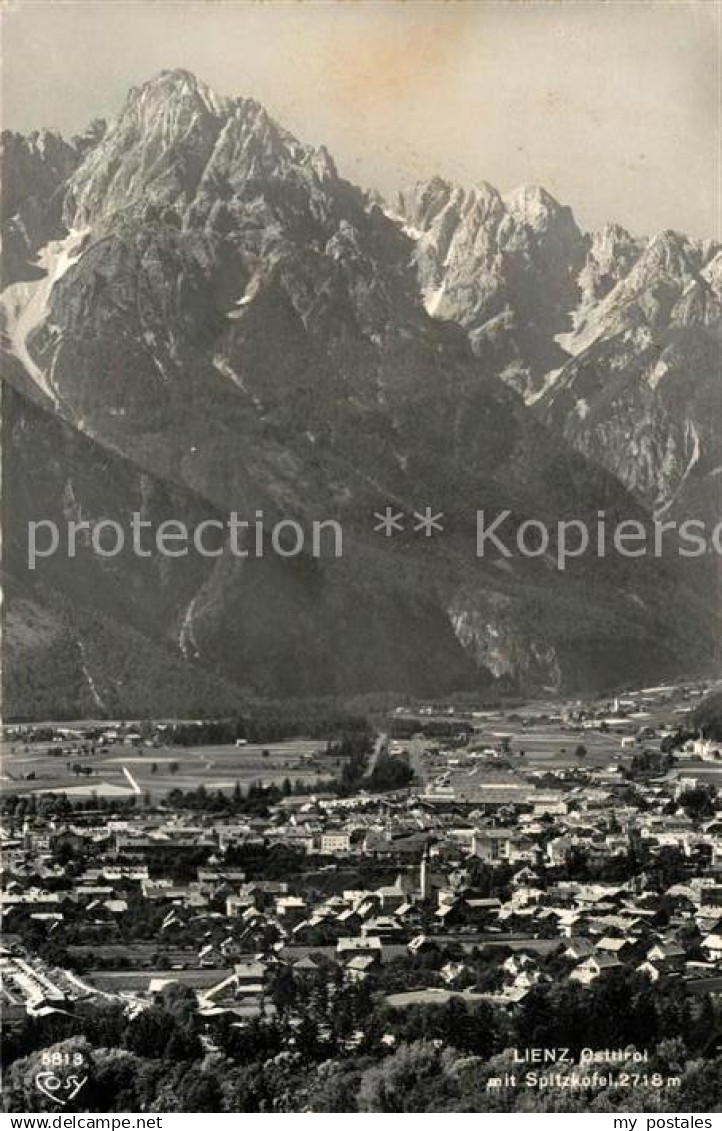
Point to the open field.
(550, 745)
(124, 770)
(539, 740)
(534, 728)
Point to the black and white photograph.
(361, 717)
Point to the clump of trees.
(699, 802)
(388, 773)
(321, 1049)
(268, 724)
(650, 763)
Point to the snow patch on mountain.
(25, 305)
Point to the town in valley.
(414, 880)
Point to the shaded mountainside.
(222, 323)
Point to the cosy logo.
(59, 1089)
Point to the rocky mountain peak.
(175, 89)
(505, 267)
(668, 253)
(157, 148)
(33, 165)
(434, 202)
(612, 240)
(34, 170)
(712, 273)
(177, 143)
(534, 206)
(612, 253)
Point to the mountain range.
(613, 340)
(199, 315)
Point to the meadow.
(118, 770)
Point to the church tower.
(424, 874)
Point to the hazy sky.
(613, 106)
